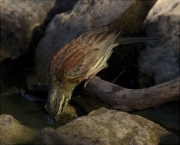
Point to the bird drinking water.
(78, 60)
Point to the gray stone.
(162, 61)
(23, 23)
(23, 18)
(106, 127)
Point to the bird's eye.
(58, 78)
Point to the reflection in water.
(26, 112)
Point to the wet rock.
(20, 20)
(161, 63)
(12, 132)
(84, 16)
(108, 127)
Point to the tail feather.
(127, 40)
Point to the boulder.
(104, 127)
(20, 20)
(12, 132)
(161, 63)
(22, 26)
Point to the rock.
(20, 20)
(108, 127)
(12, 132)
(22, 26)
(71, 112)
(84, 16)
(2, 142)
(161, 63)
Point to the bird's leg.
(116, 78)
(98, 70)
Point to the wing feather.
(78, 56)
(95, 47)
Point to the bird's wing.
(68, 57)
(89, 49)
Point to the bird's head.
(58, 99)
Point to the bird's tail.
(128, 40)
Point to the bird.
(79, 60)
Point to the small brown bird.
(78, 60)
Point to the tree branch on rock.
(133, 99)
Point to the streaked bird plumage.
(78, 60)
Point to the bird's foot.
(87, 81)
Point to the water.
(166, 115)
(26, 112)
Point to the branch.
(128, 99)
(118, 97)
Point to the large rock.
(23, 24)
(21, 19)
(84, 16)
(162, 63)
(105, 127)
(12, 132)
